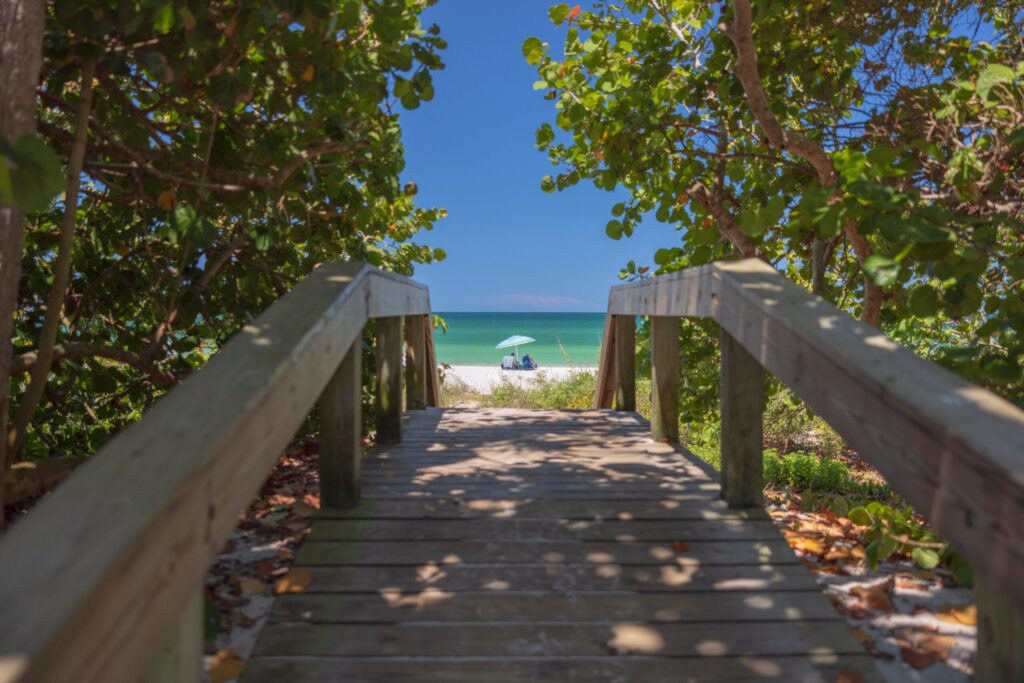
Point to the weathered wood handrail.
(953, 450)
(94, 580)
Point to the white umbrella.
(515, 341)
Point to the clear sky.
(511, 247)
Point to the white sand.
(482, 378)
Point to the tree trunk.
(741, 33)
(61, 270)
(21, 58)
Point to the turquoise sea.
(562, 338)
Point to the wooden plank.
(665, 379)
(433, 379)
(390, 295)
(560, 576)
(625, 363)
(341, 432)
(562, 640)
(604, 392)
(816, 668)
(512, 528)
(954, 450)
(741, 392)
(133, 531)
(415, 363)
(389, 379)
(1000, 637)
(533, 552)
(433, 605)
(180, 658)
(591, 509)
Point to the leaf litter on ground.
(919, 624)
(255, 564)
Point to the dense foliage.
(872, 151)
(232, 147)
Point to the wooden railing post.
(180, 659)
(665, 378)
(1000, 654)
(625, 362)
(415, 362)
(389, 379)
(742, 401)
(341, 438)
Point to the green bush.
(573, 392)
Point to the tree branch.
(741, 33)
(80, 350)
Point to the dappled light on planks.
(516, 545)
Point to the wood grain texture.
(415, 363)
(341, 432)
(388, 348)
(604, 393)
(625, 363)
(665, 379)
(132, 533)
(180, 658)
(952, 449)
(514, 536)
(433, 376)
(816, 668)
(1000, 637)
(741, 392)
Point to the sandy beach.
(482, 378)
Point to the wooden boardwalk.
(513, 545)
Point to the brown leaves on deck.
(966, 615)
(921, 650)
(295, 581)
(225, 666)
(680, 547)
(877, 596)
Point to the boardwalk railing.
(953, 450)
(103, 580)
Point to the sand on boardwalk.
(482, 378)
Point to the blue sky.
(511, 247)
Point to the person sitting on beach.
(528, 362)
(509, 362)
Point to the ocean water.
(562, 338)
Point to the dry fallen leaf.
(850, 676)
(680, 547)
(876, 596)
(226, 665)
(805, 543)
(295, 581)
(250, 585)
(966, 615)
(919, 658)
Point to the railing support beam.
(665, 378)
(1000, 636)
(341, 438)
(742, 401)
(180, 659)
(389, 379)
(625, 362)
(416, 362)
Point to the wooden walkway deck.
(513, 545)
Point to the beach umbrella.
(515, 341)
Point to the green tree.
(231, 148)
(870, 151)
